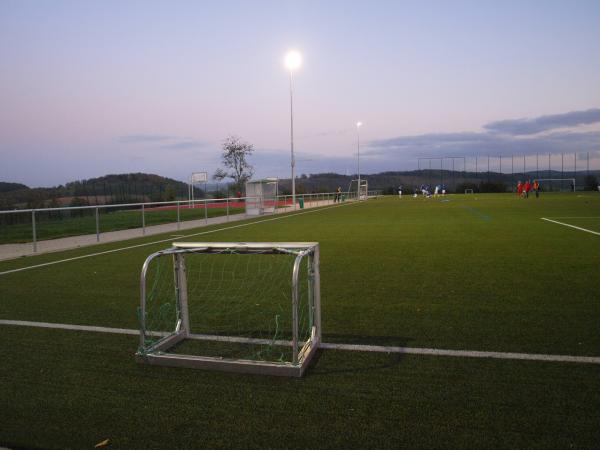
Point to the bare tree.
(235, 152)
(219, 176)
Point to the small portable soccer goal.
(238, 307)
(468, 191)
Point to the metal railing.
(69, 221)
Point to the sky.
(97, 87)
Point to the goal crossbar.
(571, 181)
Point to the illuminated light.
(293, 60)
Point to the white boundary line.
(346, 347)
(564, 224)
(283, 216)
(464, 353)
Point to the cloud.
(324, 134)
(467, 144)
(184, 145)
(272, 162)
(444, 141)
(502, 138)
(163, 141)
(142, 138)
(520, 127)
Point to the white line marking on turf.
(566, 225)
(347, 347)
(464, 353)
(283, 216)
(65, 326)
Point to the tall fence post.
(34, 231)
(227, 202)
(143, 220)
(205, 212)
(97, 225)
(178, 219)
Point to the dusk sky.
(90, 88)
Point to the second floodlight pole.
(358, 124)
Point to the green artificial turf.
(477, 272)
(55, 226)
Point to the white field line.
(75, 258)
(464, 353)
(573, 217)
(564, 224)
(65, 326)
(347, 347)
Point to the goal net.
(557, 184)
(242, 307)
(468, 191)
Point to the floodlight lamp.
(293, 60)
(358, 124)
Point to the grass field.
(467, 272)
(55, 226)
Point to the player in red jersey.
(527, 188)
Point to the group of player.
(523, 189)
(425, 191)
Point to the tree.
(219, 176)
(235, 152)
(170, 193)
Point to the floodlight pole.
(358, 157)
(358, 125)
(292, 143)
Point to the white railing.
(227, 206)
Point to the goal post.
(237, 307)
(468, 191)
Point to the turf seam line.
(571, 226)
(75, 258)
(345, 347)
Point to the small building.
(261, 196)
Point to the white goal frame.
(468, 191)
(571, 181)
(362, 191)
(156, 352)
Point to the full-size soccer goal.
(557, 184)
(358, 191)
(240, 307)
